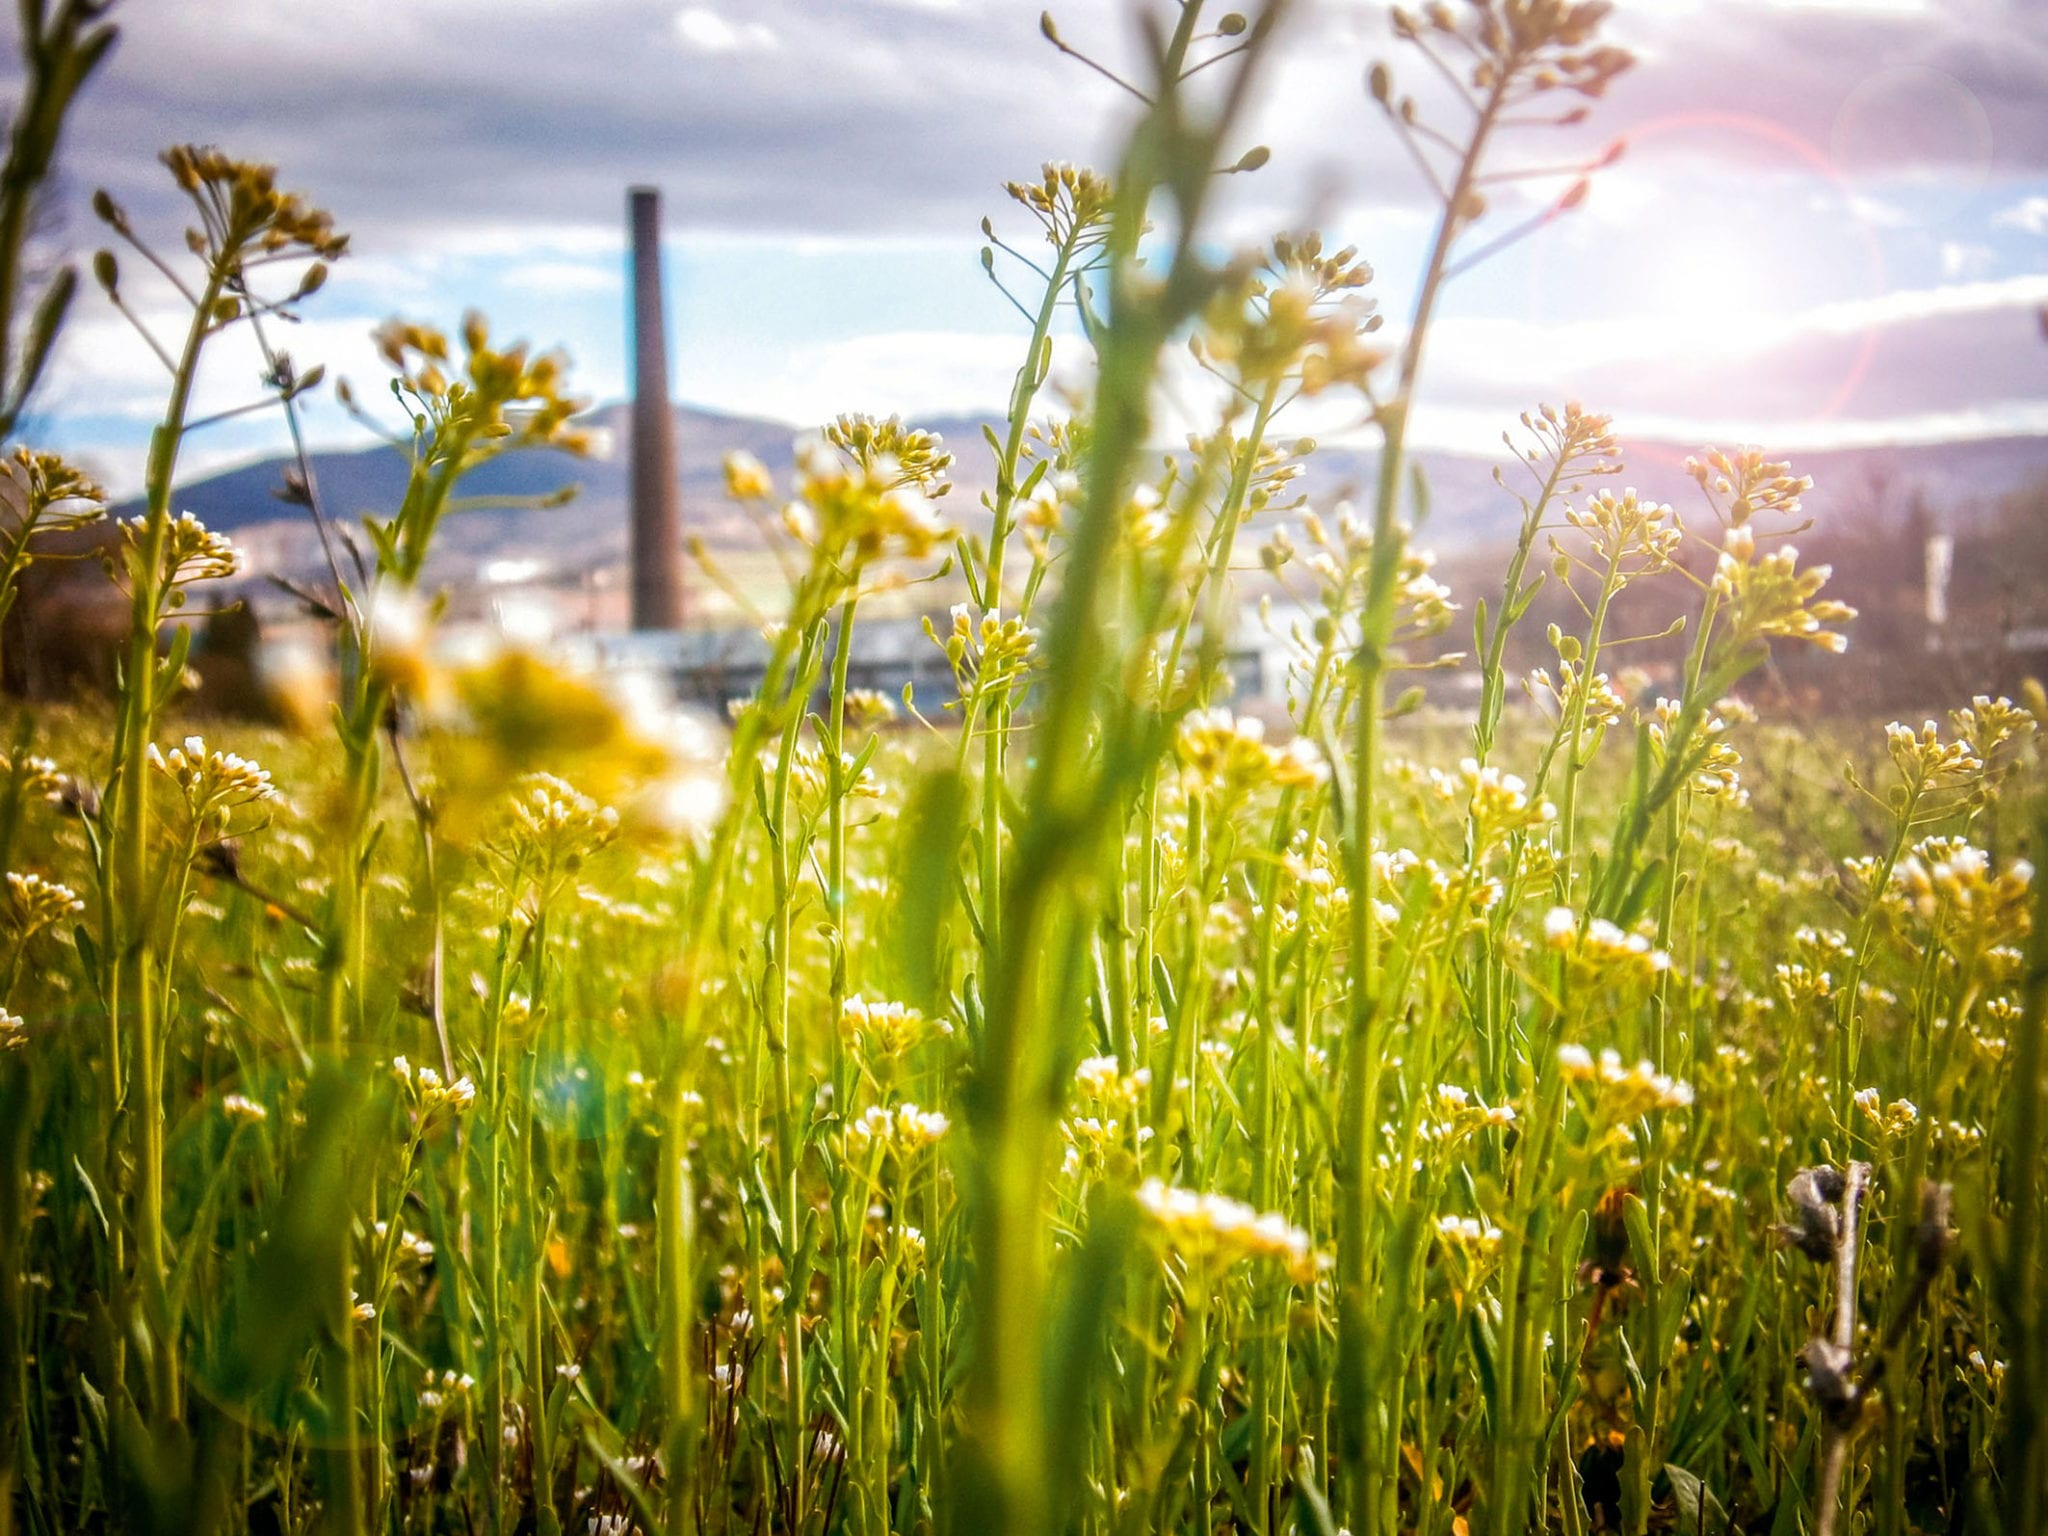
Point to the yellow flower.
(746, 478)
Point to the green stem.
(130, 952)
(1363, 1048)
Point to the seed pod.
(1933, 1237)
(1816, 1227)
(1831, 1381)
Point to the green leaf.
(42, 335)
(1311, 1509)
(1635, 1479)
(92, 1193)
(1030, 481)
(1699, 1512)
(1092, 325)
(1636, 1217)
(769, 1218)
(925, 876)
(1078, 1342)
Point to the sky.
(1830, 225)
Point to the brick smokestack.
(656, 490)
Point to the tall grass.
(1087, 1104)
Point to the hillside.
(1960, 481)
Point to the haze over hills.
(1959, 481)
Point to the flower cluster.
(189, 552)
(34, 904)
(901, 1129)
(1602, 951)
(1459, 1110)
(448, 1386)
(497, 399)
(427, 1092)
(856, 512)
(1042, 510)
(410, 1244)
(555, 824)
(1523, 47)
(1300, 317)
(1560, 697)
(747, 478)
(1215, 1230)
(40, 493)
(1576, 443)
(811, 778)
(1101, 1080)
(1988, 725)
(884, 446)
(1496, 803)
(1893, 1119)
(1469, 1236)
(39, 777)
(1927, 762)
(1744, 483)
(214, 784)
(867, 708)
(885, 1029)
(1624, 1093)
(1071, 202)
(1801, 981)
(1229, 754)
(994, 650)
(1769, 596)
(242, 207)
(1715, 765)
(1090, 1140)
(1627, 532)
(1948, 878)
(1342, 564)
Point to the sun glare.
(1708, 292)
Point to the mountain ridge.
(1959, 480)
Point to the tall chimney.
(657, 517)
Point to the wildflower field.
(1085, 1104)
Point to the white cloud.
(1960, 259)
(703, 30)
(2028, 291)
(1901, 9)
(1877, 212)
(1456, 429)
(1853, 7)
(560, 277)
(2029, 214)
(909, 373)
(1482, 347)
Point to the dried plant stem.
(1836, 1454)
